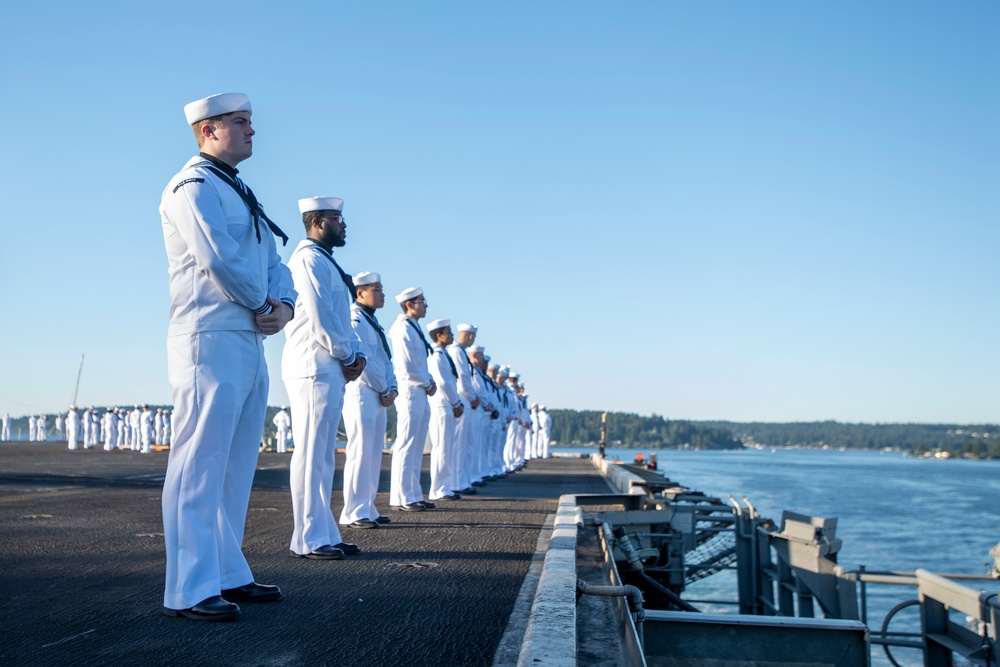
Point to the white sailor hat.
(534, 406)
(283, 407)
(467, 327)
(408, 293)
(72, 407)
(438, 324)
(321, 204)
(473, 348)
(513, 375)
(503, 371)
(487, 357)
(541, 407)
(494, 366)
(367, 278)
(216, 105)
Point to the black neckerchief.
(329, 255)
(454, 371)
(419, 333)
(228, 176)
(369, 314)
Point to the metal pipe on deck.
(632, 594)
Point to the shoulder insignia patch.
(186, 181)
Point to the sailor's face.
(418, 307)
(372, 296)
(234, 137)
(333, 228)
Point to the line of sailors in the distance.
(116, 428)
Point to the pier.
(82, 562)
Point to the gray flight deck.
(81, 569)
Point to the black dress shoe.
(383, 519)
(468, 492)
(415, 507)
(252, 592)
(209, 609)
(327, 552)
(348, 549)
(426, 504)
(478, 484)
(363, 523)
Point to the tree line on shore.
(630, 430)
(583, 427)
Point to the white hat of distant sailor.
(467, 327)
(438, 324)
(216, 105)
(514, 376)
(367, 278)
(494, 366)
(321, 204)
(502, 371)
(487, 358)
(473, 348)
(408, 293)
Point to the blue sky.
(708, 210)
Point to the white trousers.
(111, 436)
(316, 404)
(463, 474)
(220, 383)
(444, 449)
(71, 437)
(364, 421)
(543, 443)
(413, 418)
(281, 440)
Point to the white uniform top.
(465, 387)
(481, 384)
(320, 337)
(378, 374)
(220, 274)
(282, 420)
(73, 420)
(409, 354)
(544, 420)
(445, 378)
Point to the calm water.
(894, 513)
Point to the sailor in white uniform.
(72, 427)
(158, 427)
(365, 408)
(5, 427)
(282, 422)
(89, 428)
(60, 435)
(486, 414)
(228, 289)
(32, 430)
(42, 428)
(146, 429)
(322, 354)
(544, 432)
(409, 361)
(110, 430)
(446, 409)
(134, 422)
(464, 475)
